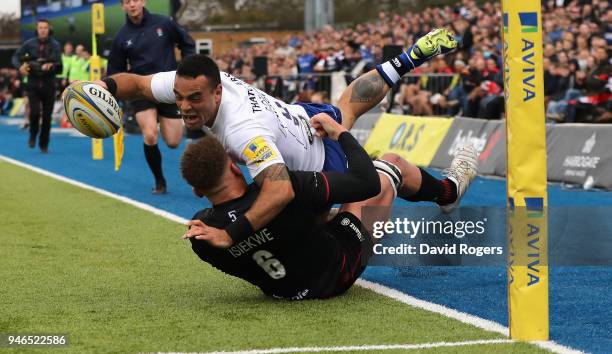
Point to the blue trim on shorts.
(335, 158)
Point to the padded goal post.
(526, 177)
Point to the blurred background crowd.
(469, 82)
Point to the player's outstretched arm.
(126, 86)
(275, 193)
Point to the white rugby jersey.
(255, 128)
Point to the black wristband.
(240, 229)
(111, 85)
(343, 134)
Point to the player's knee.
(149, 138)
(392, 158)
(173, 144)
(386, 194)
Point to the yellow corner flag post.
(526, 186)
(97, 27)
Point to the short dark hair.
(203, 163)
(199, 64)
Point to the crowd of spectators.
(577, 38)
(10, 87)
(469, 82)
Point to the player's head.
(207, 167)
(133, 8)
(198, 90)
(42, 28)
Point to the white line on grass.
(378, 288)
(457, 315)
(365, 347)
(126, 200)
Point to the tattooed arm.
(276, 192)
(362, 95)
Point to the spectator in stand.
(472, 79)
(596, 102)
(572, 28)
(413, 98)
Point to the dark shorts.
(354, 251)
(163, 109)
(335, 159)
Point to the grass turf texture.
(118, 279)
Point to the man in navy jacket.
(145, 45)
(39, 59)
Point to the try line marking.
(365, 347)
(482, 323)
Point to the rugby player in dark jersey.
(295, 256)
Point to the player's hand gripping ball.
(92, 110)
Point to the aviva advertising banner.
(526, 145)
(414, 138)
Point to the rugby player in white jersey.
(269, 136)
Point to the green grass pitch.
(118, 279)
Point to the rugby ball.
(92, 110)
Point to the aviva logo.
(529, 22)
(535, 207)
(505, 22)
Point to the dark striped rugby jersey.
(291, 256)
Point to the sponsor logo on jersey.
(160, 32)
(258, 151)
(347, 222)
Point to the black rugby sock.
(154, 159)
(434, 190)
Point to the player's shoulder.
(158, 18)
(203, 215)
(30, 41)
(214, 217)
(56, 43)
(122, 32)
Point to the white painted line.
(457, 315)
(487, 325)
(377, 288)
(121, 198)
(366, 347)
(556, 348)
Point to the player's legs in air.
(418, 185)
(400, 178)
(368, 90)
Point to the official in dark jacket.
(145, 45)
(40, 59)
